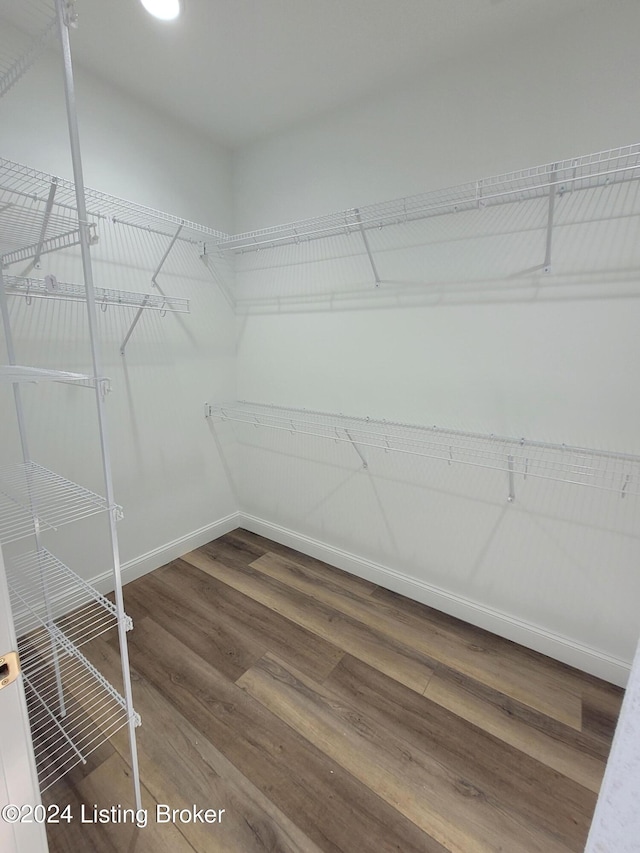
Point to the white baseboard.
(145, 563)
(532, 636)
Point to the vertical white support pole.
(74, 139)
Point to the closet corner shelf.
(32, 288)
(31, 495)
(604, 168)
(93, 711)
(46, 593)
(516, 457)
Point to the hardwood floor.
(323, 713)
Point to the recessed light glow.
(166, 10)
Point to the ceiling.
(241, 69)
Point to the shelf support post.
(512, 491)
(134, 324)
(365, 240)
(65, 20)
(166, 255)
(552, 204)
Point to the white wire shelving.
(72, 707)
(34, 497)
(26, 194)
(601, 169)
(65, 734)
(517, 457)
(23, 373)
(28, 27)
(45, 594)
(51, 288)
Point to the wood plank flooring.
(325, 714)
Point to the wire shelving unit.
(73, 709)
(517, 458)
(64, 735)
(31, 495)
(605, 168)
(46, 593)
(32, 288)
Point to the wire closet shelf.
(93, 711)
(599, 469)
(32, 288)
(29, 197)
(28, 28)
(33, 497)
(46, 594)
(605, 168)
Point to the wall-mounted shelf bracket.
(553, 189)
(365, 240)
(35, 262)
(365, 464)
(133, 325)
(512, 491)
(166, 255)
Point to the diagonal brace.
(165, 256)
(134, 324)
(365, 240)
(365, 464)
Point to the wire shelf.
(22, 186)
(50, 288)
(587, 172)
(33, 497)
(21, 373)
(599, 469)
(45, 593)
(93, 711)
(27, 28)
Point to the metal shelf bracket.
(165, 256)
(365, 240)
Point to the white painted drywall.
(168, 473)
(459, 334)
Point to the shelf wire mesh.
(24, 192)
(26, 29)
(599, 469)
(45, 593)
(601, 169)
(93, 710)
(33, 496)
(31, 288)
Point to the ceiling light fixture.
(166, 10)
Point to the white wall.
(459, 335)
(168, 473)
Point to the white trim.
(164, 554)
(532, 636)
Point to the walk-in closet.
(320, 468)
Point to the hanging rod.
(600, 469)
(604, 168)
